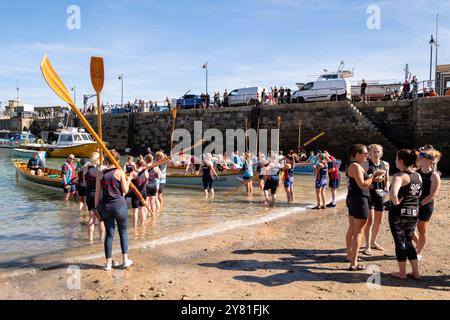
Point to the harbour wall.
(393, 124)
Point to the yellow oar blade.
(314, 139)
(54, 82)
(97, 73)
(60, 89)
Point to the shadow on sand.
(293, 265)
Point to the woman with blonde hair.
(154, 174)
(377, 190)
(90, 173)
(248, 173)
(208, 173)
(431, 179)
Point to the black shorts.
(261, 177)
(81, 191)
(90, 199)
(207, 183)
(426, 211)
(247, 178)
(376, 202)
(358, 206)
(152, 190)
(161, 187)
(197, 167)
(271, 185)
(135, 202)
(334, 183)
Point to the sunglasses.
(424, 155)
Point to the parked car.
(245, 96)
(189, 101)
(323, 90)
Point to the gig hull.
(50, 180)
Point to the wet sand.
(297, 257)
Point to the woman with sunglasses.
(404, 211)
(357, 202)
(428, 160)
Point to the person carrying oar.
(111, 186)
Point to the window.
(308, 86)
(77, 137)
(66, 138)
(233, 93)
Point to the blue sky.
(160, 46)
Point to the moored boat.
(226, 180)
(304, 168)
(25, 153)
(15, 139)
(66, 142)
(50, 180)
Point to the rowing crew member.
(36, 165)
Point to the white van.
(323, 90)
(245, 96)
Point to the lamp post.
(74, 89)
(121, 78)
(205, 66)
(431, 43)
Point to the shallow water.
(38, 227)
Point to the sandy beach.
(297, 257)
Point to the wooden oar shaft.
(107, 152)
(314, 139)
(99, 121)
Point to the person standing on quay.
(111, 185)
(406, 89)
(363, 91)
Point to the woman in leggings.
(431, 178)
(208, 173)
(357, 202)
(112, 184)
(404, 211)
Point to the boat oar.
(314, 139)
(278, 127)
(98, 79)
(165, 160)
(299, 133)
(56, 84)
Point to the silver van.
(323, 90)
(245, 96)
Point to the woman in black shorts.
(154, 173)
(431, 179)
(404, 211)
(139, 180)
(357, 202)
(377, 189)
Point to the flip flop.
(357, 268)
(368, 252)
(377, 247)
